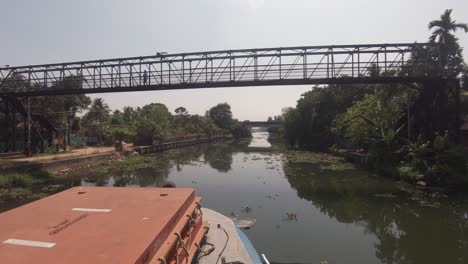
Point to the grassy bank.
(325, 173)
(19, 188)
(324, 161)
(122, 168)
(24, 187)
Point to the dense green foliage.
(310, 124)
(408, 131)
(222, 116)
(97, 118)
(60, 111)
(145, 125)
(439, 161)
(397, 214)
(23, 187)
(154, 123)
(368, 121)
(120, 134)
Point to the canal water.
(324, 211)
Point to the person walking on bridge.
(145, 77)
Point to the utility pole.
(457, 113)
(28, 143)
(408, 116)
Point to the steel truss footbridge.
(229, 68)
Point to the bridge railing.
(314, 64)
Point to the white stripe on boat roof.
(29, 243)
(94, 210)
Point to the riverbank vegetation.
(153, 123)
(407, 131)
(19, 188)
(24, 187)
(77, 120)
(153, 169)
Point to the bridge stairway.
(39, 124)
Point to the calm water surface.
(344, 215)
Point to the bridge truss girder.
(230, 68)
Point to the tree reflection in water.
(410, 226)
(219, 157)
(154, 169)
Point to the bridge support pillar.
(27, 131)
(10, 131)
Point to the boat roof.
(92, 225)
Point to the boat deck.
(228, 246)
(94, 225)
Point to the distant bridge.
(229, 68)
(269, 124)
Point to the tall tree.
(221, 115)
(181, 111)
(98, 116)
(129, 114)
(443, 34)
(59, 111)
(451, 61)
(309, 124)
(445, 27)
(117, 118)
(153, 122)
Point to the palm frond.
(435, 23)
(439, 31)
(461, 26)
(368, 121)
(399, 129)
(446, 15)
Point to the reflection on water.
(400, 225)
(344, 215)
(259, 138)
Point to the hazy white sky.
(47, 31)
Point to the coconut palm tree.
(443, 33)
(444, 28)
(451, 59)
(98, 116)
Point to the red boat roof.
(93, 225)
